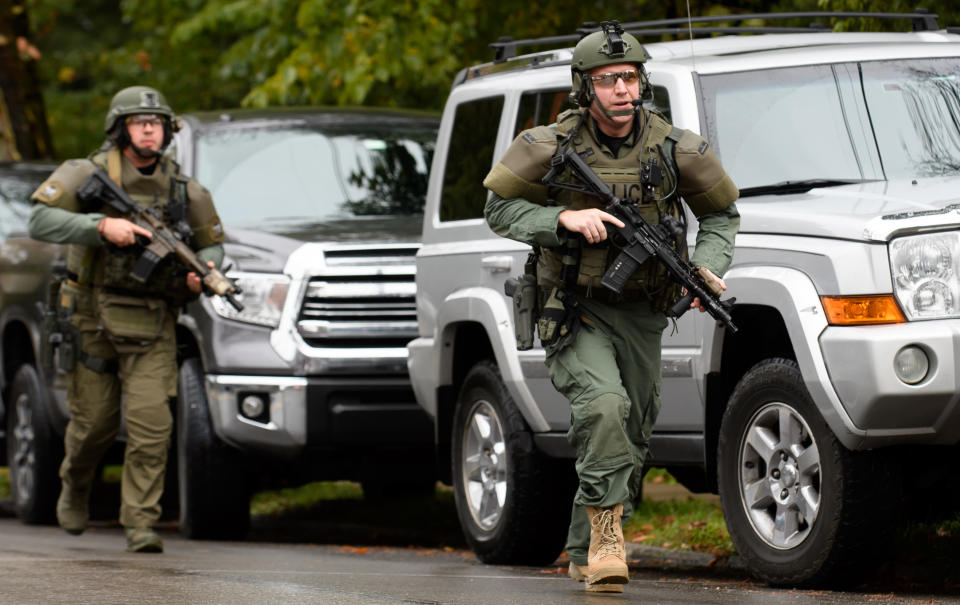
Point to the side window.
(541, 108)
(469, 159)
(661, 102)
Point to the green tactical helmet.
(608, 46)
(136, 99)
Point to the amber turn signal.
(862, 310)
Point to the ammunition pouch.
(559, 320)
(133, 324)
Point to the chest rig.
(109, 267)
(643, 172)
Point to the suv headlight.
(262, 295)
(924, 274)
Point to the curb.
(654, 556)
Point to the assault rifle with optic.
(163, 241)
(638, 240)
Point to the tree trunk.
(24, 133)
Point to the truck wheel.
(214, 499)
(34, 450)
(513, 502)
(798, 505)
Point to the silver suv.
(846, 149)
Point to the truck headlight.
(924, 274)
(262, 295)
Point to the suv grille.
(364, 298)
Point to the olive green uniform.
(127, 328)
(610, 370)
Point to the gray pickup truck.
(322, 210)
(812, 421)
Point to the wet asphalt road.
(44, 565)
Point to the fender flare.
(489, 308)
(793, 294)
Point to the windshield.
(844, 122)
(287, 175)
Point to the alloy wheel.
(780, 484)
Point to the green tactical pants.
(144, 383)
(611, 376)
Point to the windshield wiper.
(785, 187)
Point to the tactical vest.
(623, 176)
(109, 266)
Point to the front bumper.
(335, 413)
(860, 362)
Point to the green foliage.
(5, 493)
(949, 13)
(209, 54)
(691, 524)
(274, 503)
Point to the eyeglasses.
(142, 121)
(609, 80)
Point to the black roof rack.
(921, 20)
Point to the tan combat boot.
(143, 539)
(72, 509)
(607, 557)
(579, 573)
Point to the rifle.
(638, 240)
(164, 241)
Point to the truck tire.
(34, 449)
(214, 499)
(801, 509)
(513, 502)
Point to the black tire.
(214, 498)
(516, 510)
(817, 511)
(34, 449)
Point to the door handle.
(497, 264)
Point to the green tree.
(948, 12)
(210, 54)
(23, 124)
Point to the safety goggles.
(144, 120)
(609, 80)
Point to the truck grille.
(364, 298)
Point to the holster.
(60, 341)
(523, 290)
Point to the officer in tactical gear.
(603, 349)
(124, 328)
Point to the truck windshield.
(844, 122)
(283, 175)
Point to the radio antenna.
(693, 58)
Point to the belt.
(99, 364)
(607, 295)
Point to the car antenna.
(693, 57)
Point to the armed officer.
(603, 349)
(123, 328)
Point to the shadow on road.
(429, 522)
